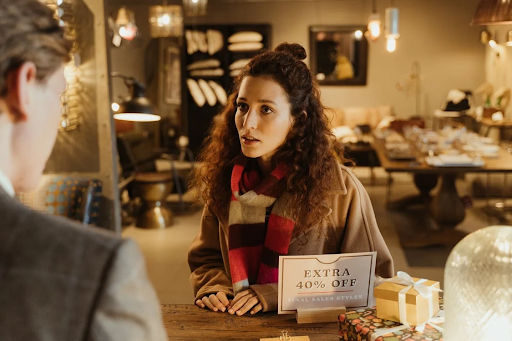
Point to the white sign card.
(323, 281)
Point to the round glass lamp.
(478, 287)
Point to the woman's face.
(263, 117)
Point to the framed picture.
(172, 76)
(338, 54)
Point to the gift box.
(364, 325)
(407, 300)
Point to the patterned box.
(364, 325)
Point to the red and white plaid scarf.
(254, 244)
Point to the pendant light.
(136, 107)
(374, 23)
(493, 12)
(165, 21)
(195, 8)
(392, 32)
(126, 24)
(493, 40)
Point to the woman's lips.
(249, 141)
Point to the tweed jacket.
(62, 281)
(349, 227)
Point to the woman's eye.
(242, 106)
(266, 110)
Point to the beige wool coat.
(350, 227)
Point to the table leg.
(447, 211)
(424, 183)
(446, 207)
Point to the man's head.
(33, 50)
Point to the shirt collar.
(5, 183)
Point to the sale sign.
(323, 281)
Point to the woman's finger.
(223, 298)
(241, 302)
(257, 308)
(238, 297)
(207, 303)
(216, 303)
(200, 304)
(251, 302)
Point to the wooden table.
(189, 322)
(445, 206)
(488, 123)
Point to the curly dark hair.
(310, 147)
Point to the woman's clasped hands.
(243, 302)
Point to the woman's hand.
(245, 301)
(214, 302)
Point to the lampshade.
(478, 290)
(194, 8)
(493, 12)
(165, 21)
(135, 107)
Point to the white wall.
(436, 33)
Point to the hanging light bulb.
(493, 41)
(115, 107)
(392, 33)
(391, 44)
(373, 32)
(358, 34)
(194, 8)
(374, 26)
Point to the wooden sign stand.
(319, 315)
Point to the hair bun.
(295, 50)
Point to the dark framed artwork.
(172, 77)
(338, 54)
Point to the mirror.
(338, 54)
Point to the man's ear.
(19, 83)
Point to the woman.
(273, 186)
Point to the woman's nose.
(251, 120)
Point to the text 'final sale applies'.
(323, 281)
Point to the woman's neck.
(265, 165)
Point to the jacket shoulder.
(342, 180)
(51, 243)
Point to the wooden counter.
(189, 322)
